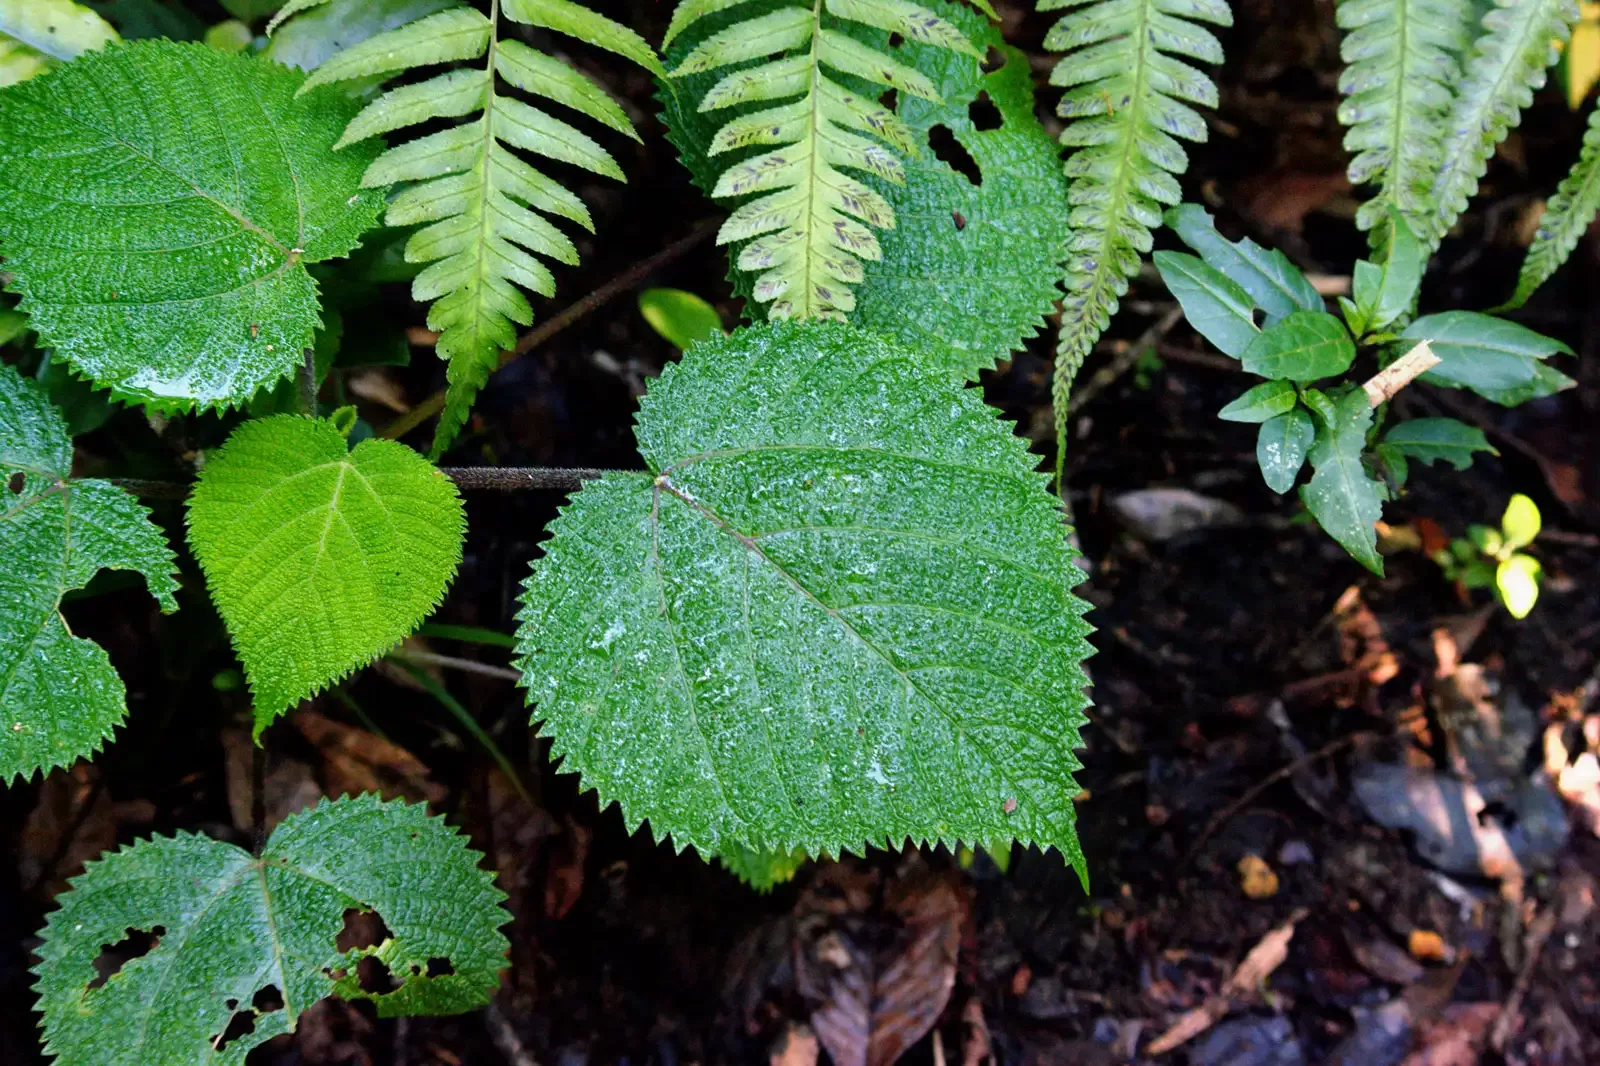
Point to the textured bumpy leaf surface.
(230, 925)
(35, 34)
(1566, 217)
(320, 557)
(482, 208)
(158, 205)
(836, 612)
(59, 696)
(969, 270)
(1129, 90)
(1401, 69)
(1519, 42)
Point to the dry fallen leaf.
(356, 761)
(73, 822)
(1256, 878)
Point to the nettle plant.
(833, 611)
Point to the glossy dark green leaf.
(1479, 351)
(1304, 346)
(1434, 439)
(1215, 305)
(1267, 400)
(1281, 448)
(1342, 497)
(1276, 285)
(1386, 289)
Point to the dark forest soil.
(1248, 674)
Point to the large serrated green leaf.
(969, 270)
(836, 612)
(160, 245)
(320, 557)
(230, 925)
(60, 699)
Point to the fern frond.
(1521, 40)
(1402, 66)
(813, 222)
(290, 9)
(1566, 217)
(481, 205)
(1126, 105)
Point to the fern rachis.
(1126, 104)
(809, 227)
(479, 203)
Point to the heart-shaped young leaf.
(59, 696)
(1303, 346)
(1433, 439)
(1385, 290)
(319, 557)
(1267, 400)
(1478, 351)
(1341, 496)
(243, 944)
(836, 611)
(1275, 284)
(1281, 448)
(160, 204)
(1215, 305)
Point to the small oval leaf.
(1305, 346)
(1267, 400)
(1281, 448)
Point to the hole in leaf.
(953, 154)
(16, 482)
(961, 223)
(242, 1024)
(363, 931)
(895, 40)
(113, 957)
(373, 975)
(268, 1000)
(983, 113)
(993, 60)
(440, 968)
(889, 98)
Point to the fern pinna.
(480, 201)
(810, 239)
(1126, 104)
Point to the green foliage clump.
(60, 696)
(233, 928)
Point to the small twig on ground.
(1222, 816)
(1107, 375)
(1244, 983)
(1381, 387)
(567, 316)
(1505, 1025)
(451, 662)
(505, 1037)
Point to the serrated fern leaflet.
(36, 33)
(1566, 217)
(231, 928)
(60, 699)
(1127, 106)
(1399, 84)
(838, 611)
(1520, 41)
(481, 205)
(812, 222)
(319, 557)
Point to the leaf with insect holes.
(1341, 496)
(319, 557)
(60, 698)
(971, 269)
(1433, 439)
(160, 204)
(836, 611)
(1213, 303)
(1304, 346)
(245, 944)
